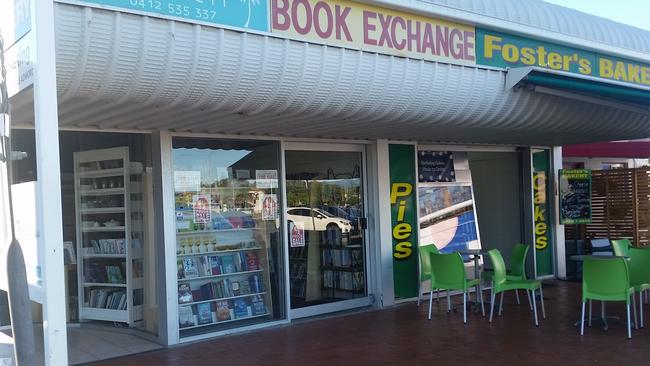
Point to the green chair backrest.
(639, 265)
(448, 271)
(621, 247)
(499, 267)
(425, 261)
(605, 279)
(518, 260)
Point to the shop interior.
(109, 251)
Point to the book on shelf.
(122, 303)
(223, 310)
(356, 258)
(185, 317)
(228, 264)
(190, 267)
(208, 291)
(258, 307)
(114, 274)
(204, 313)
(234, 288)
(93, 273)
(242, 287)
(252, 261)
(205, 269)
(185, 293)
(256, 283)
(180, 272)
(240, 308)
(198, 295)
(107, 299)
(215, 265)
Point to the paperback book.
(190, 268)
(204, 311)
(252, 261)
(185, 317)
(240, 308)
(184, 293)
(223, 310)
(257, 305)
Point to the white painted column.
(165, 237)
(48, 187)
(382, 223)
(560, 245)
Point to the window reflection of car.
(315, 219)
(349, 213)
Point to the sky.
(632, 12)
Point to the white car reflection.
(315, 219)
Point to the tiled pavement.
(402, 335)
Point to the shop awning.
(185, 77)
(589, 89)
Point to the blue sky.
(632, 12)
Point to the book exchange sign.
(575, 196)
(370, 28)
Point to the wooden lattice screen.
(620, 206)
(642, 237)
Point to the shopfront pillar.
(379, 159)
(48, 187)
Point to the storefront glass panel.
(227, 210)
(325, 208)
(446, 201)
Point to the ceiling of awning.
(129, 72)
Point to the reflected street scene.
(326, 243)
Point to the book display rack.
(342, 267)
(222, 261)
(109, 233)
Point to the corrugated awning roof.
(182, 77)
(559, 19)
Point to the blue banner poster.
(250, 14)
(447, 218)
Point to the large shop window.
(227, 196)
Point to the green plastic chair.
(516, 271)
(500, 284)
(425, 267)
(621, 247)
(448, 273)
(606, 279)
(639, 266)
